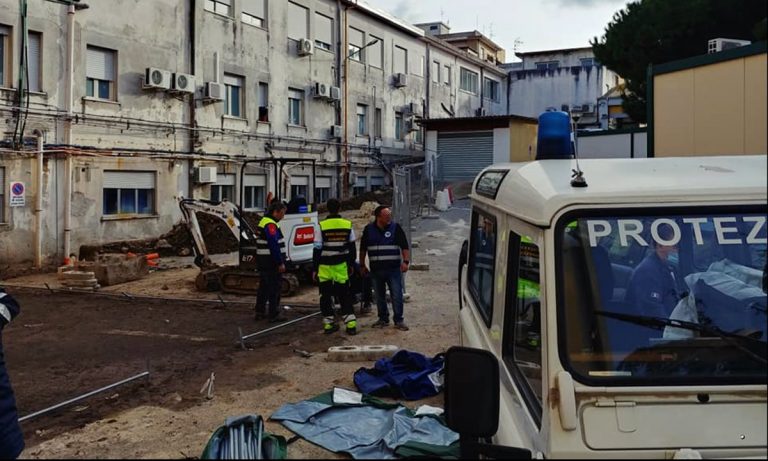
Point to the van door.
(523, 376)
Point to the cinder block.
(360, 353)
(419, 267)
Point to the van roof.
(536, 191)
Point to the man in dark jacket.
(270, 259)
(386, 245)
(11, 438)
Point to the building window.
(323, 32)
(447, 75)
(100, 73)
(419, 135)
(587, 62)
(254, 191)
(233, 97)
(5, 56)
(377, 182)
(419, 69)
(300, 187)
(521, 346)
(468, 80)
(254, 12)
(400, 61)
(2, 194)
(34, 49)
(129, 193)
(377, 123)
(356, 40)
(298, 21)
(263, 102)
(482, 262)
(491, 90)
(399, 127)
(323, 189)
(295, 107)
(435, 72)
(362, 120)
(548, 65)
(224, 189)
(218, 6)
(375, 53)
(360, 185)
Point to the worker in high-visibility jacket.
(334, 261)
(270, 260)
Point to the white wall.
(613, 146)
(501, 145)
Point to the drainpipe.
(345, 147)
(193, 134)
(39, 202)
(337, 106)
(68, 129)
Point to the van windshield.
(659, 298)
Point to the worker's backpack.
(244, 437)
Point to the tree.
(658, 31)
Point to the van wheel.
(463, 255)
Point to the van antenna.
(577, 178)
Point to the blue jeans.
(393, 279)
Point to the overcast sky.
(538, 24)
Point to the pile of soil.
(178, 241)
(382, 196)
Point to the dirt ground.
(66, 344)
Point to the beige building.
(713, 104)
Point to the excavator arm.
(226, 211)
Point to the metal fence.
(412, 194)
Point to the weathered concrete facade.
(568, 79)
(131, 152)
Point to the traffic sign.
(18, 194)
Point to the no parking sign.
(18, 193)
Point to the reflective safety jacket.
(337, 253)
(383, 252)
(270, 247)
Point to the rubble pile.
(382, 196)
(178, 241)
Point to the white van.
(622, 319)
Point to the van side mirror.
(472, 392)
(472, 403)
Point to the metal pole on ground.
(242, 338)
(84, 396)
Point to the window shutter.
(225, 180)
(297, 21)
(254, 8)
(356, 37)
(233, 80)
(100, 64)
(258, 180)
(129, 180)
(323, 182)
(299, 180)
(323, 29)
(33, 51)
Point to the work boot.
(401, 326)
(380, 324)
(352, 327)
(329, 328)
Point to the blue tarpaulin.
(361, 425)
(407, 375)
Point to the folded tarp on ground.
(407, 375)
(366, 428)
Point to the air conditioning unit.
(575, 108)
(157, 78)
(413, 108)
(305, 47)
(214, 91)
(335, 93)
(352, 178)
(588, 108)
(337, 131)
(411, 125)
(720, 44)
(480, 112)
(321, 91)
(400, 80)
(206, 175)
(184, 83)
